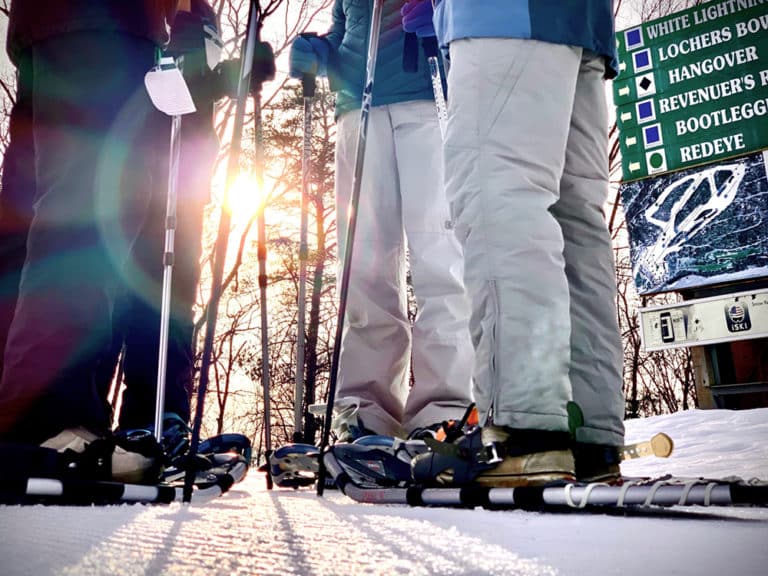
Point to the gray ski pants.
(526, 160)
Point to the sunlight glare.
(244, 197)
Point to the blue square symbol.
(642, 59)
(645, 110)
(652, 135)
(633, 38)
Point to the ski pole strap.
(411, 52)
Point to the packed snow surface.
(253, 531)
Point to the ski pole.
(173, 98)
(168, 256)
(114, 391)
(308, 90)
(373, 47)
(262, 255)
(169, 93)
(430, 49)
(446, 62)
(222, 237)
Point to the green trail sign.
(693, 87)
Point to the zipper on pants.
(493, 349)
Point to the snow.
(253, 531)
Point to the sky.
(252, 531)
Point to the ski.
(639, 493)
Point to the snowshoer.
(135, 317)
(402, 206)
(526, 173)
(95, 131)
(195, 37)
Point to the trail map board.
(693, 88)
(699, 226)
(692, 109)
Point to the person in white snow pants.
(402, 210)
(402, 192)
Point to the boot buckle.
(492, 455)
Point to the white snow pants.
(526, 159)
(401, 197)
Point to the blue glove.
(417, 17)
(308, 56)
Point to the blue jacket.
(585, 23)
(348, 38)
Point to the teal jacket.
(585, 23)
(348, 38)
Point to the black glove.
(187, 34)
(228, 71)
(263, 63)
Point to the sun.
(244, 198)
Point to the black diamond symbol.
(645, 83)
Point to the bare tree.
(7, 84)
(285, 132)
(282, 20)
(654, 382)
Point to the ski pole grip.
(429, 43)
(308, 85)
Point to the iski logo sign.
(737, 317)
